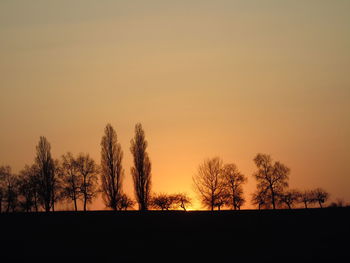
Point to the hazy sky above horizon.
(205, 78)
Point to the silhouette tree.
(261, 198)
(112, 171)
(57, 186)
(271, 177)
(5, 172)
(46, 170)
(209, 182)
(182, 200)
(233, 181)
(240, 201)
(222, 200)
(162, 201)
(28, 188)
(72, 179)
(141, 172)
(88, 171)
(9, 184)
(125, 202)
(170, 201)
(307, 197)
(321, 196)
(289, 198)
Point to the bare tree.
(5, 171)
(28, 188)
(182, 200)
(233, 181)
(57, 185)
(112, 171)
(8, 190)
(271, 177)
(88, 171)
(209, 183)
(222, 200)
(125, 202)
(321, 196)
(261, 199)
(306, 197)
(162, 201)
(240, 201)
(72, 179)
(289, 198)
(46, 170)
(141, 172)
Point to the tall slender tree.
(57, 185)
(112, 171)
(141, 171)
(46, 170)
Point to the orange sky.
(205, 78)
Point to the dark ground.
(307, 235)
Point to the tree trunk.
(47, 204)
(273, 198)
(85, 199)
(305, 203)
(320, 203)
(84, 192)
(35, 204)
(75, 204)
(183, 206)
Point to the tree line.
(79, 180)
(221, 185)
(48, 181)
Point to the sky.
(205, 79)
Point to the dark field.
(262, 236)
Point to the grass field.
(307, 235)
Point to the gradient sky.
(205, 78)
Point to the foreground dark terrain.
(308, 235)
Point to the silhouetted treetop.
(141, 171)
(112, 171)
(209, 182)
(233, 181)
(46, 172)
(270, 176)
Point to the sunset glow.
(205, 78)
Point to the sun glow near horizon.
(223, 78)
